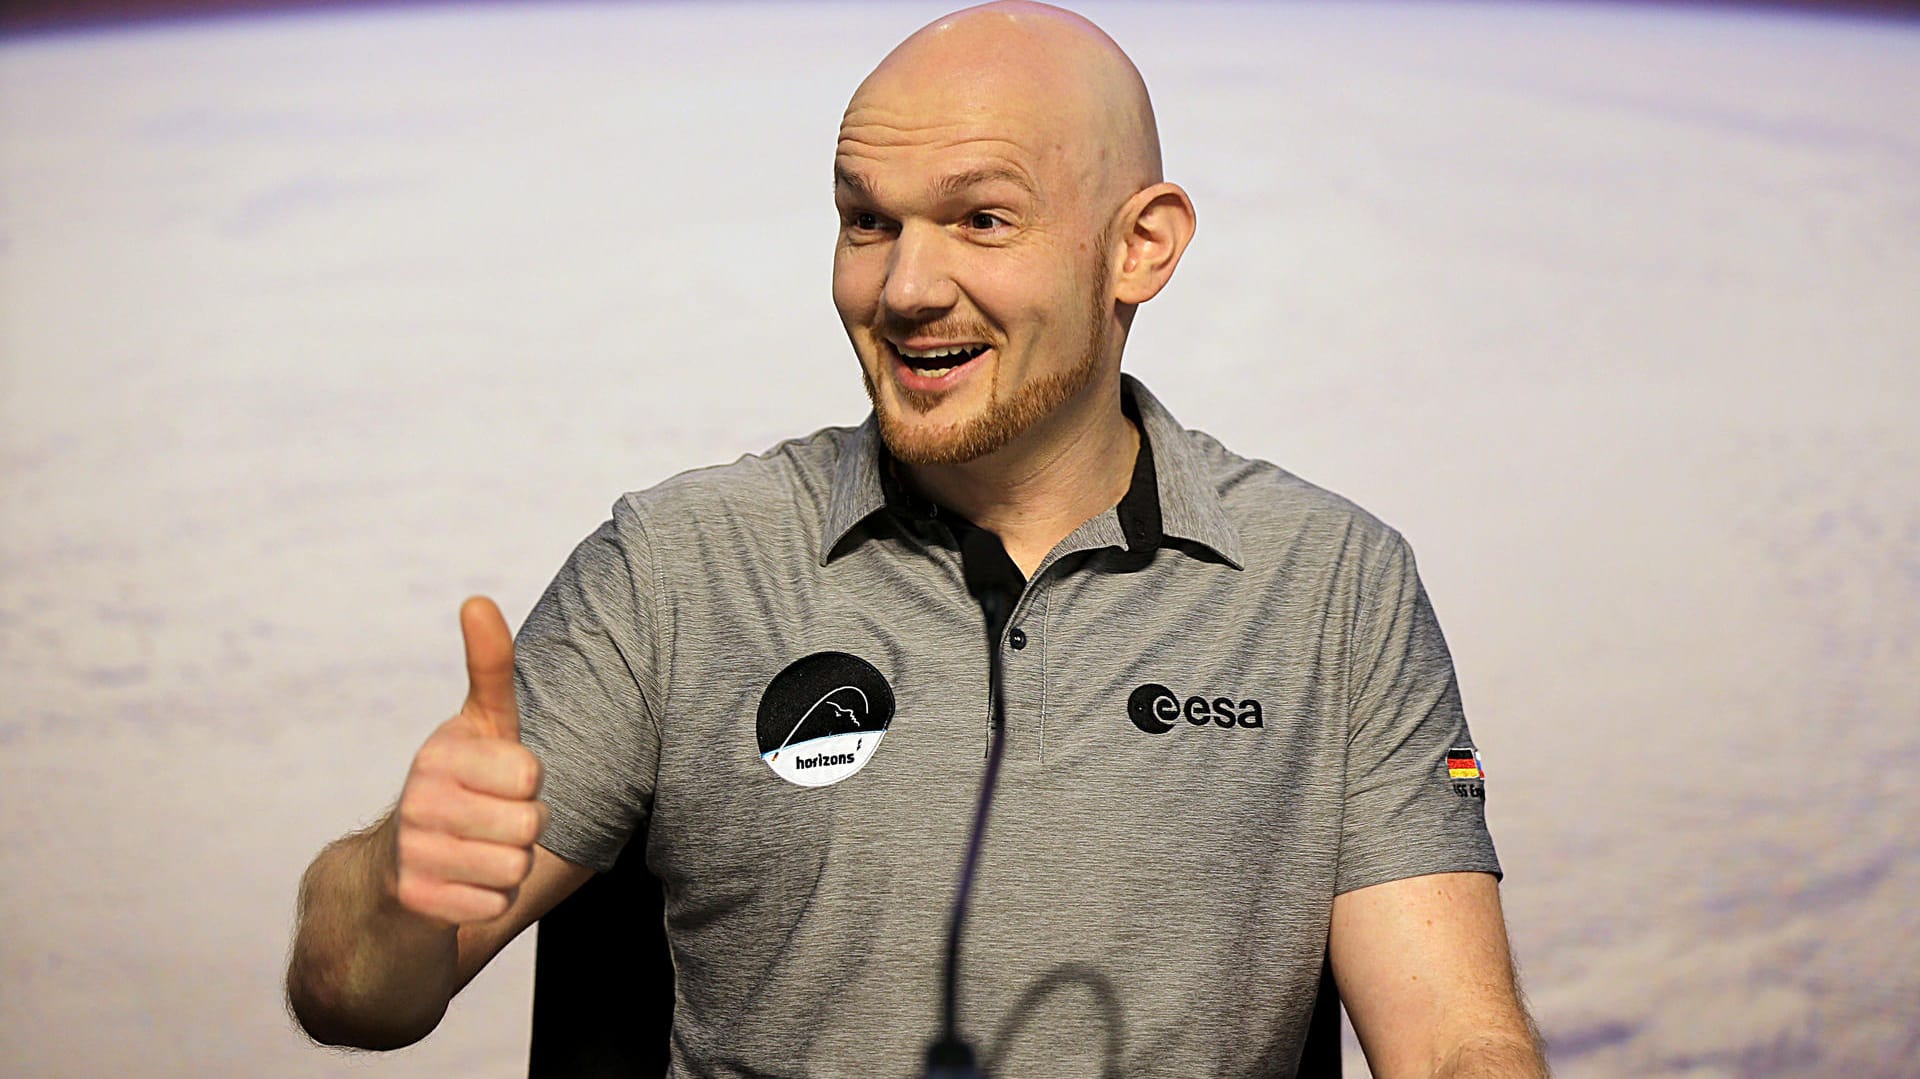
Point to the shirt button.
(1017, 639)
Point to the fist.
(470, 811)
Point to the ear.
(1154, 228)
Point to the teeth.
(936, 353)
(933, 372)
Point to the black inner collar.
(991, 574)
(1139, 508)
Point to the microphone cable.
(950, 1056)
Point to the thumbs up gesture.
(470, 811)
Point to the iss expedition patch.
(822, 718)
(1465, 772)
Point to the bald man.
(1233, 739)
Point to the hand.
(470, 811)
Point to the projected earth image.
(314, 322)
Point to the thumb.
(489, 667)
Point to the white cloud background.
(312, 325)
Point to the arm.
(371, 973)
(395, 920)
(1423, 968)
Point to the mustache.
(942, 329)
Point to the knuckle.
(519, 862)
(472, 771)
(419, 809)
(416, 894)
(478, 903)
(420, 856)
(517, 770)
(407, 847)
(499, 867)
(470, 905)
(407, 813)
(533, 821)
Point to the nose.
(919, 284)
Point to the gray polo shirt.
(1227, 701)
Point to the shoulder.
(1257, 513)
(1275, 512)
(783, 491)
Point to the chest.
(841, 716)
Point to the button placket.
(1023, 671)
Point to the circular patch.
(1153, 708)
(822, 718)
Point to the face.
(971, 279)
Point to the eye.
(982, 221)
(863, 221)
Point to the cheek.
(1016, 292)
(851, 298)
(1049, 301)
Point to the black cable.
(982, 556)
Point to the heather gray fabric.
(1157, 902)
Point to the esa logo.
(1155, 709)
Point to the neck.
(1063, 471)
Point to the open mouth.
(938, 362)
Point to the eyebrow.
(962, 181)
(947, 186)
(852, 181)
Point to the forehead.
(907, 131)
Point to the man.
(1233, 740)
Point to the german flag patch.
(1465, 773)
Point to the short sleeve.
(1414, 803)
(587, 672)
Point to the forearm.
(1494, 1057)
(366, 972)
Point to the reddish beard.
(1003, 419)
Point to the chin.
(972, 420)
(922, 438)
(932, 429)
(916, 440)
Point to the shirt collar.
(1170, 496)
(1190, 506)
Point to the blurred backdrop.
(315, 321)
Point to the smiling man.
(1233, 739)
(1002, 214)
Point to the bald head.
(1002, 214)
(1050, 75)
